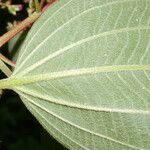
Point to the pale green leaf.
(84, 72)
(15, 43)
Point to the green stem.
(7, 84)
(5, 69)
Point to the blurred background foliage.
(19, 130)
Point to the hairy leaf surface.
(84, 72)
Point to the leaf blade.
(104, 110)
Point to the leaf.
(84, 73)
(14, 45)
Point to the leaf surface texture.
(88, 68)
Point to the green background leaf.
(87, 70)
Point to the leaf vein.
(82, 128)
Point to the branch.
(24, 24)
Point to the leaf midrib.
(15, 81)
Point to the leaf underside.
(107, 109)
